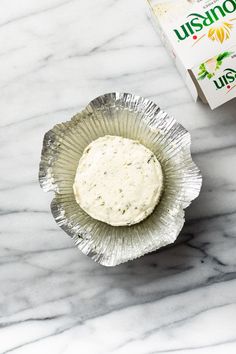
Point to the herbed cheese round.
(118, 181)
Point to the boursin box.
(201, 37)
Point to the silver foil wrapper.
(135, 118)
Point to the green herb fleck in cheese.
(118, 181)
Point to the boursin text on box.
(201, 37)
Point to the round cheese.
(118, 181)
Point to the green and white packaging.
(201, 37)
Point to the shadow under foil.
(192, 261)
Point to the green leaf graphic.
(209, 76)
(223, 56)
(203, 73)
(202, 77)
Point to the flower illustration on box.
(220, 33)
(209, 68)
(216, 33)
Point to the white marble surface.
(55, 57)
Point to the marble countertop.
(56, 55)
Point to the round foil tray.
(135, 118)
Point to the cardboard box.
(201, 37)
